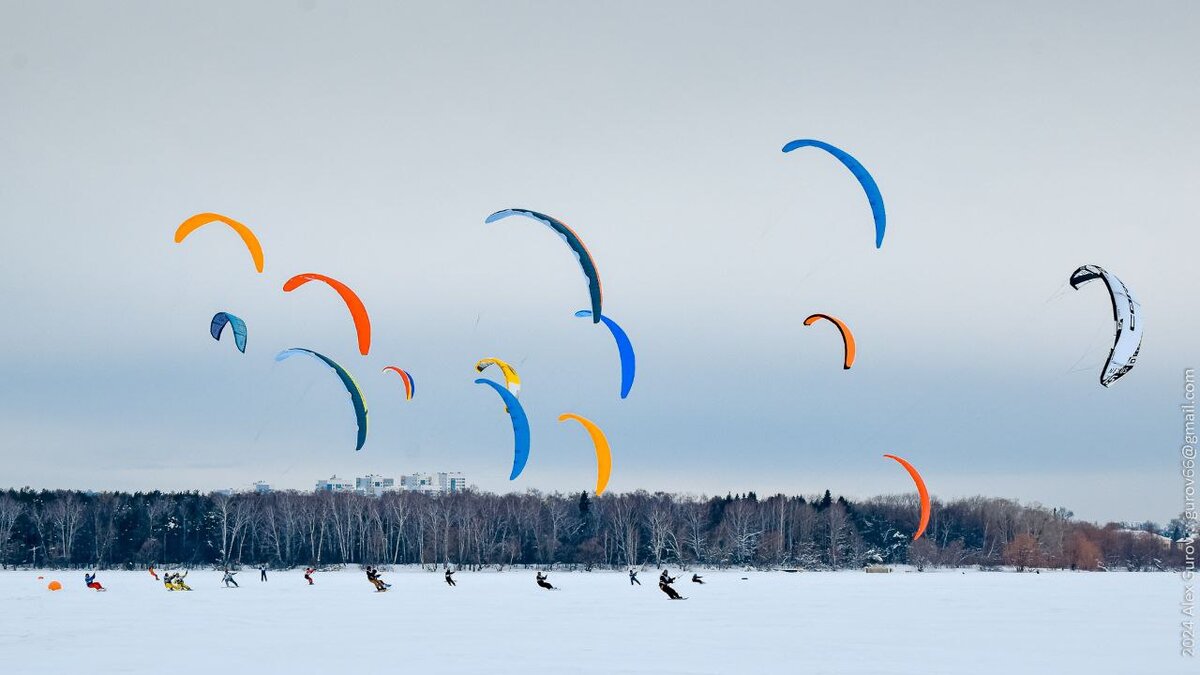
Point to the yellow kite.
(603, 453)
(200, 219)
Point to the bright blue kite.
(222, 319)
(860, 172)
(624, 350)
(520, 424)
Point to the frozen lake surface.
(810, 622)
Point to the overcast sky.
(1012, 142)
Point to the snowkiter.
(228, 579)
(262, 573)
(696, 578)
(373, 577)
(541, 581)
(633, 578)
(177, 583)
(153, 573)
(664, 584)
(90, 580)
(450, 577)
(308, 572)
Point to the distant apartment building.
(439, 483)
(374, 485)
(418, 482)
(453, 481)
(443, 482)
(262, 487)
(335, 484)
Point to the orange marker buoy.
(54, 586)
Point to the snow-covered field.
(844, 622)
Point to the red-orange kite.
(924, 494)
(362, 322)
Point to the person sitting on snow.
(541, 581)
(178, 584)
(90, 580)
(386, 585)
(373, 577)
(696, 578)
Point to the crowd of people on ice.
(174, 581)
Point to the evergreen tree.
(825, 502)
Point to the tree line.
(472, 529)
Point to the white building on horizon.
(453, 481)
(335, 484)
(442, 482)
(418, 482)
(262, 487)
(374, 485)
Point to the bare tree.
(66, 515)
(627, 535)
(694, 515)
(11, 511)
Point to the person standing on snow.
(450, 577)
(153, 573)
(633, 578)
(262, 573)
(308, 572)
(228, 578)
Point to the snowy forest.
(478, 529)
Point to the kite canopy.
(356, 397)
(624, 351)
(1128, 340)
(222, 319)
(200, 219)
(409, 387)
(520, 424)
(585, 259)
(847, 337)
(860, 172)
(358, 313)
(921, 491)
(512, 381)
(603, 453)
